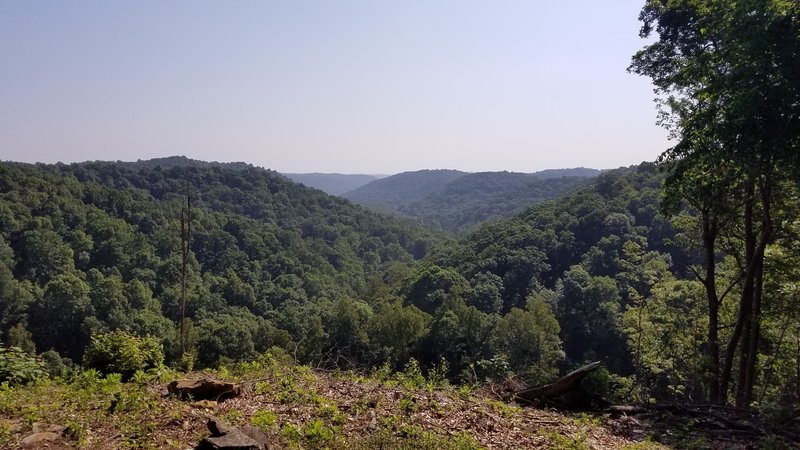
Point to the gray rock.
(218, 427)
(226, 437)
(256, 434)
(39, 427)
(231, 441)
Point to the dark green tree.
(59, 317)
(726, 73)
(530, 339)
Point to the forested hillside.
(332, 183)
(598, 274)
(435, 309)
(473, 199)
(391, 193)
(170, 162)
(97, 247)
(459, 202)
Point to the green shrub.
(411, 376)
(18, 367)
(600, 386)
(123, 353)
(57, 366)
(317, 434)
(263, 419)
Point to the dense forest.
(332, 183)
(391, 193)
(97, 247)
(459, 202)
(681, 275)
(598, 274)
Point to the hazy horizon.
(352, 87)
(378, 175)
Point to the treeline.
(599, 274)
(466, 203)
(459, 202)
(96, 247)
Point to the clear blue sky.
(329, 86)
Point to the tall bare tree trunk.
(186, 235)
(710, 283)
(746, 299)
(744, 395)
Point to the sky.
(327, 86)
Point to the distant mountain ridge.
(441, 199)
(391, 193)
(332, 183)
(458, 201)
(170, 162)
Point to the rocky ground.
(294, 407)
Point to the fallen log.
(716, 422)
(557, 391)
(626, 410)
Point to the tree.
(431, 286)
(726, 73)
(60, 316)
(486, 293)
(588, 310)
(530, 339)
(42, 255)
(185, 219)
(459, 334)
(396, 331)
(347, 331)
(15, 299)
(664, 332)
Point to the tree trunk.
(745, 302)
(744, 399)
(183, 283)
(710, 283)
(745, 392)
(186, 235)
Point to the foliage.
(56, 365)
(530, 339)
(123, 353)
(90, 248)
(664, 332)
(19, 367)
(459, 202)
(726, 76)
(263, 419)
(600, 273)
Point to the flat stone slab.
(226, 437)
(37, 439)
(232, 441)
(204, 389)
